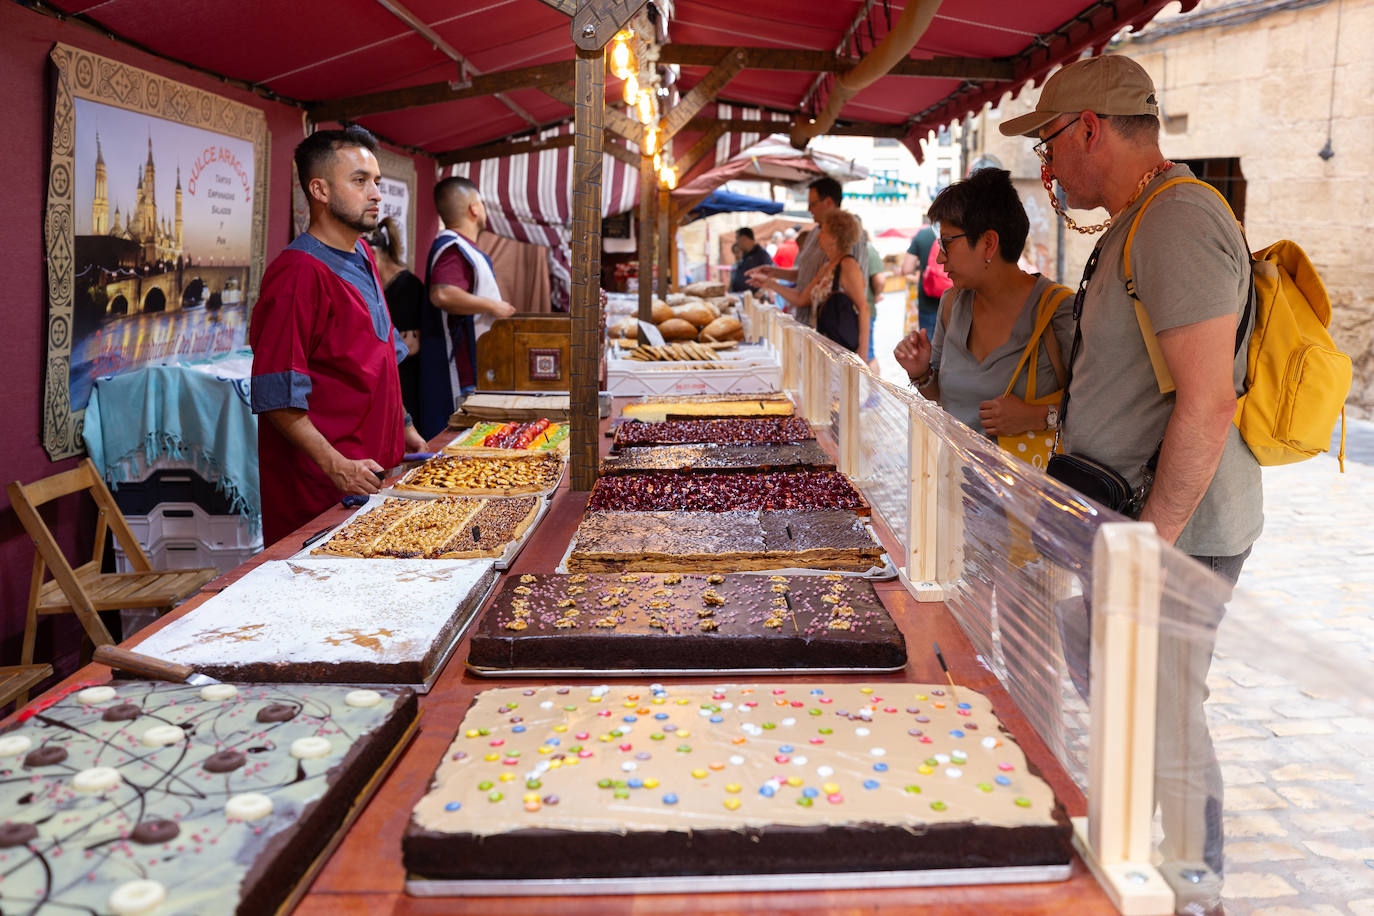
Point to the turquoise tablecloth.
(196, 412)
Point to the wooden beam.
(584, 411)
(849, 129)
(627, 127)
(964, 68)
(705, 144)
(666, 254)
(648, 200)
(566, 7)
(559, 73)
(503, 148)
(611, 148)
(724, 70)
(595, 22)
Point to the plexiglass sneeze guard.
(1101, 633)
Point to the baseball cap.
(1109, 85)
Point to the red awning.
(314, 52)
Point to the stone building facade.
(1274, 96)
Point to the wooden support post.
(648, 181)
(666, 255)
(922, 574)
(817, 389)
(849, 417)
(790, 356)
(583, 405)
(1114, 839)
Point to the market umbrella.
(723, 201)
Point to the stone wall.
(1259, 91)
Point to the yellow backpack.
(1296, 379)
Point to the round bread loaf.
(720, 304)
(697, 313)
(723, 329)
(677, 329)
(662, 311)
(625, 327)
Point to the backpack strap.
(1049, 302)
(1163, 377)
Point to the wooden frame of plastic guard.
(1114, 839)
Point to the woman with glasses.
(987, 318)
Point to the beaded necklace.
(1145, 180)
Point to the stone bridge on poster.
(164, 292)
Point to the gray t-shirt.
(1190, 264)
(965, 382)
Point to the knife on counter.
(148, 666)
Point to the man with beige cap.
(1098, 130)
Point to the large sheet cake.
(330, 621)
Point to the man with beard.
(463, 301)
(324, 349)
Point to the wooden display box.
(526, 353)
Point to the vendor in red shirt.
(324, 349)
(464, 299)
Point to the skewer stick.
(945, 668)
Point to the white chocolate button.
(250, 806)
(310, 747)
(215, 692)
(160, 735)
(362, 698)
(96, 779)
(134, 898)
(13, 745)
(93, 695)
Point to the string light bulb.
(650, 141)
(646, 108)
(658, 162)
(631, 89)
(622, 61)
(667, 176)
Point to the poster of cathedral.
(155, 228)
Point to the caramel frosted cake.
(743, 431)
(450, 527)
(709, 541)
(483, 476)
(709, 492)
(673, 621)
(156, 798)
(747, 458)
(559, 782)
(747, 406)
(330, 621)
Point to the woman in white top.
(986, 319)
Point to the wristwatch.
(1052, 417)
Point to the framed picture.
(155, 228)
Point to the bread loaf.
(625, 327)
(697, 313)
(721, 304)
(723, 329)
(662, 311)
(704, 289)
(677, 329)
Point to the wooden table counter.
(364, 875)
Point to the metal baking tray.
(503, 562)
(544, 494)
(480, 671)
(718, 884)
(458, 633)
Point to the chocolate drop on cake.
(153, 832)
(224, 761)
(122, 712)
(45, 756)
(16, 834)
(278, 712)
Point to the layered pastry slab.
(483, 476)
(699, 491)
(672, 622)
(653, 411)
(450, 527)
(746, 431)
(140, 797)
(739, 541)
(736, 458)
(330, 621)
(568, 782)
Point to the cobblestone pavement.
(1294, 728)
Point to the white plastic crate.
(180, 520)
(189, 553)
(755, 374)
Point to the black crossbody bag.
(1095, 480)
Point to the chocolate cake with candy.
(740, 431)
(567, 782)
(710, 492)
(141, 797)
(742, 458)
(673, 621)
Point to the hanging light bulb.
(621, 61)
(646, 108)
(667, 176)
(658, 162)
(631, 89)
(650, 141)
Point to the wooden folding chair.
(84, 590)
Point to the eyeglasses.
(946, 239)
(1043, 149)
